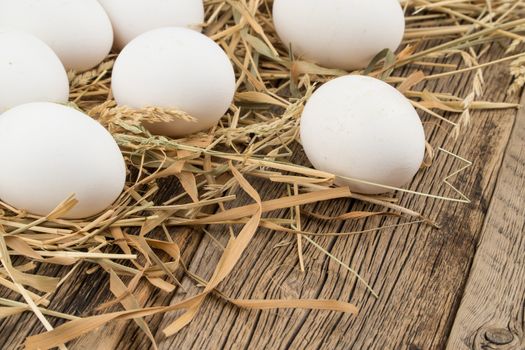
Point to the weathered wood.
(491, 315)
(419, 272)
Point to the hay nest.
(132, 240)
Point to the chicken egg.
(29, 72)
(175, 68)
(130, 18)
(365, 132)
(343, 34)
(79, 31)
(50, 151)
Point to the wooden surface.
(461, 286)
(492, 312)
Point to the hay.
(255, 139)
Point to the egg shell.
(49, 152)
(361, 128)
(175, 68)
(130, 18)
(343, 34)
(29, 72)
(79, 31)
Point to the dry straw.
(256, 139)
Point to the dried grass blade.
(413, 79)
(275, 204)
(67, 332)
(8, 311)
(161, 284)
(343, 265)
(143, 244)
(118, 288)
(41, 283)
(25, 307)
(36, 298)
(120, 240)
(259, 97)
(76, 328)
(188, 182)
(151, 223)
(353, 215)
(6, 261)
(312, 304)
(63, 208)
(171, 248)
(19, 245)
(231, 255)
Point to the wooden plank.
(419, 272)
(491, 315)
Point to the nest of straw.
(133, 241)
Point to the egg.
(175, 68)
(365, 132)
(50, 151)
(79, 31)
(344, 34)
(130, 18)
(29, 72)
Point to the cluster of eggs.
(354, 126)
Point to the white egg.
(130, 18)
(29, 72)
(361, 128)
(51, 151)
(79, 31)
(343, 34)
(175, 68)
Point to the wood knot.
(499, 336)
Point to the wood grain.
(492, 312)
(419, 272)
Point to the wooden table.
(459, 287)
